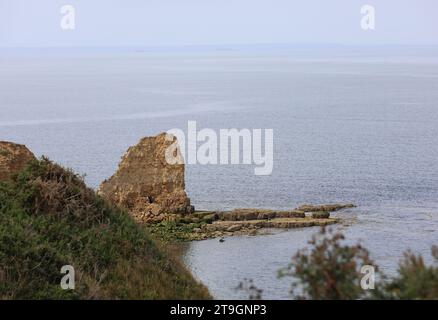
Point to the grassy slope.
(49, 218)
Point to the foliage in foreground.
(49, 218)
(415, 280)
(331, 270)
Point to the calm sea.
(350, 125)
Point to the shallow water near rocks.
(222, 266)
(349, 126)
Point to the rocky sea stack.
(13, 158)
(146, 185)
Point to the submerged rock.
(321, 215)
(146, 185)
(249, 221)
(13, 158)
(324, 207)
(257, 214)
(244, 227)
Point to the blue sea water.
(350, 125)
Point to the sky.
(214, 22)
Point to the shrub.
(415, 280)
(50, 218)
(329, 271)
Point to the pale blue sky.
(202, 22)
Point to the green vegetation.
(49, 218)
(181, 229)
(331, 270)
(176, 231)
(415, 280)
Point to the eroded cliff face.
(146, 185)
(13, 157)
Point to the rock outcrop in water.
(258, 214)
(146, 185)
(250, 221)
(13, 157)
(324, 207)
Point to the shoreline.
(202, 225)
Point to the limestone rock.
(145, 184)
(234, 228)
(247, 214)
(282, 223)
(321, 215)
(324, 207)
(13, 157)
